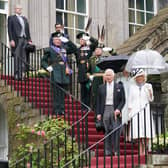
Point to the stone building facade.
(114, 15)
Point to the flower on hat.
(138, 72)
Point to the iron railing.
(37, 90)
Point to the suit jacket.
(118, 98)
(14, 28)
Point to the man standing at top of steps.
(19, 36)
(110, 101)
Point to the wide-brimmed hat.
(138, 72)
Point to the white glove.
(85, 37)
(149, 91)
(91, 77)
(107, 49)
(49, 68)
(88, 42)
(64, 39)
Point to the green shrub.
(35, 146)
(160, 143)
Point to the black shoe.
(61, 113)
(107, 153)
(18, 79)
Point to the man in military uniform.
(84, 52)
(55, 60)
(95, 74)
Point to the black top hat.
(80, 35)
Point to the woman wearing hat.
(140, 94)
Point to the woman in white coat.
(140, 94)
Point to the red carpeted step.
(122, 152)
(74, 118)
(90, 124)
(122, 159)
(91, 131)
(29, 83)
(40, 89)
(122, 145)
(46, 104)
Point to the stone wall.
(16, 111)
(164, 97)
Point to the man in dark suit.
(110, 101)
(19, 36)
(59, 27)
(55, 60)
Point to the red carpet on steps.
(31, 88)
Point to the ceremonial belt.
(82, 61)
(59, 62)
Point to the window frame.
(74, 13)
(4, 11)
(135, 10)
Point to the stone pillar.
(114, 15)
(42, 20)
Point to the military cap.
(56, 34)
(81, 34)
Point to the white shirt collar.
(18, 15)
(110, 84)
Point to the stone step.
(156, 161)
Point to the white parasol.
(150, 60)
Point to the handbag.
(99, 125)
(30, 48)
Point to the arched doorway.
(3, 134)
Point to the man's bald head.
(18, 9)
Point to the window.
(2, 5)
(73, 14)
(140, 12)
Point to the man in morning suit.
(19, 36)
(110, 101)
